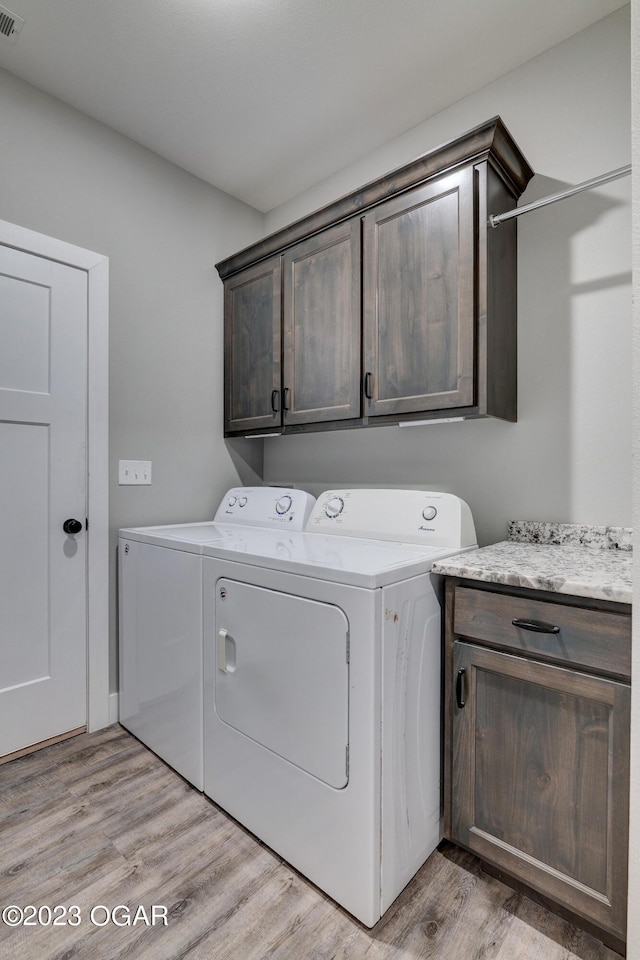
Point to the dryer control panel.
(266, 507)
(407, 516)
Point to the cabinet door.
(252, 348)
(419, 299)
(540, 778)
(321, 327)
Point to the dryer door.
(282, 675)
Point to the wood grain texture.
(488, 139)
(497, 301)
(101, 820)
(436, 300)
(592, 639)
(539, 782)
(321, 326)
(252, 345)
(418, 298)
(43, 743)
(548, 774)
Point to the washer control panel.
(407, 516)
(266, 507)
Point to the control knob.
(284, 504)
(334, 507)
(429, 513)
(232, 501)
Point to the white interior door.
(43, 404)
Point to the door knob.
(72, 526)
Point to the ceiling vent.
(10, 24)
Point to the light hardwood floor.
(99, 820)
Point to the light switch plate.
(134, 472)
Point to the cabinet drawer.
(596, 640)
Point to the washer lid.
(241, 508)
(349, 560)
(189, 537)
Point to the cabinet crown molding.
(489, 141)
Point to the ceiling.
(265, 98)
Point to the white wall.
(67, 176)
(567, 458)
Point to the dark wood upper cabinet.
(321, 327)
(419, 299)
(252, 326)
(398, 301)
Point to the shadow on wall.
(247, 457)
(562, 264)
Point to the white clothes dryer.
(322, 670)
(160, 619)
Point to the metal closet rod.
(494, 221)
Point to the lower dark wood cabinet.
(537, 761)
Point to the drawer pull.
(460, 693)
(536, 626)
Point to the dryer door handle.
(226, 652)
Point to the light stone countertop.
(556, 557)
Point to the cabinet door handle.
(535, 626)
(367, 385)
(285, 398)
(460, 692)
(275, 396)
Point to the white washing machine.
(160, 619)
(322, 687)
